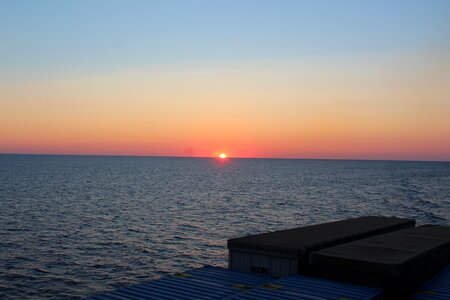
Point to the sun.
(222, 155)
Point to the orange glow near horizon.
(222, 155)
(346, 111)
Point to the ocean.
(73, 226)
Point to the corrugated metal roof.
(302, 287)
(219, 283)
(205, 283)
(437, 288)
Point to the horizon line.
(229, 157)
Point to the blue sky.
(50, 38)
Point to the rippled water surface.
(72, 226)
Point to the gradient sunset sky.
(290, 79)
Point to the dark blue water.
(73, 226)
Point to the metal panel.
(263, 262)
(436, 288)
(286, 252)
(301, 287)
(399, 262)
(205, 283)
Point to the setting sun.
(222, 155)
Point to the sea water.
(71, 226)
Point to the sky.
(289, 79)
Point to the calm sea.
(72, 226)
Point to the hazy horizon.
(228, 158)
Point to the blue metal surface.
(205, 283)
(219, 283)
(301, 287)
(437, 288)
